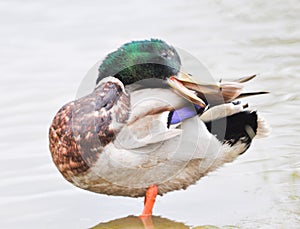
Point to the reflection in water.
(134, 222)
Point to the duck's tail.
(263, 129)
(232, 90)
(236, 121)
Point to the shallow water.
(48, 46)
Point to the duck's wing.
(148, 122)
(148, 130)
(82, 128)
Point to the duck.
(148, 128)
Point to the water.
(48, 46)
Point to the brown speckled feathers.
(83, 127)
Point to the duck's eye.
(170, 53)
(167, 54)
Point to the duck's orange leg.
(149, 201)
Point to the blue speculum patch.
(181, 114)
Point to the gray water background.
(47, 47)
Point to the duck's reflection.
(154, 222)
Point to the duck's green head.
(140, 60)
(152, 59)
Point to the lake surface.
(47, 47)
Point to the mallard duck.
(148, 128)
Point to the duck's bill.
(191, 83)
(185, 92)
(191, 89)
(217, 92)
